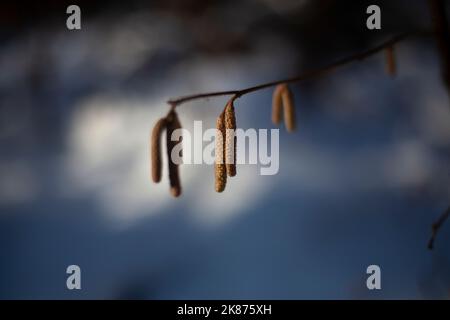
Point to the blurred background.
(360, 182)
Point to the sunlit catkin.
(174, 178)
(288, 108)
(391, 66)
(230, 139)
(219, 165)
(157, 131)
(277, 104)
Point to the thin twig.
(307, 75)
(436, 226)
(442, 35)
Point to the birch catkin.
(288, 108)
(230, 139)
(391, 66)
(157, 131)
(277, 104)
(174, 178)
(219, 165)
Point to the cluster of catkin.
(225, 162)
(170, 123)
(225, 158)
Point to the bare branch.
(306, 76)
(436, 226)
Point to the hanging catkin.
(219, 165)
(174, 178)
(177, 125)
(391, 66)
(277, 104)
(230, 139)
(156, 149)
(288, 108)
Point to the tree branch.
(436, 226)
(443, 40)
(306, 76)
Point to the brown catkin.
(288, 108)
(391, 66)
(277, 104)
(177, 125)
(219, 165)
(174, 177)
(156, 149)
(230, 139)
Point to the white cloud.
(109, 155)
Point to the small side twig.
(436, 226)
